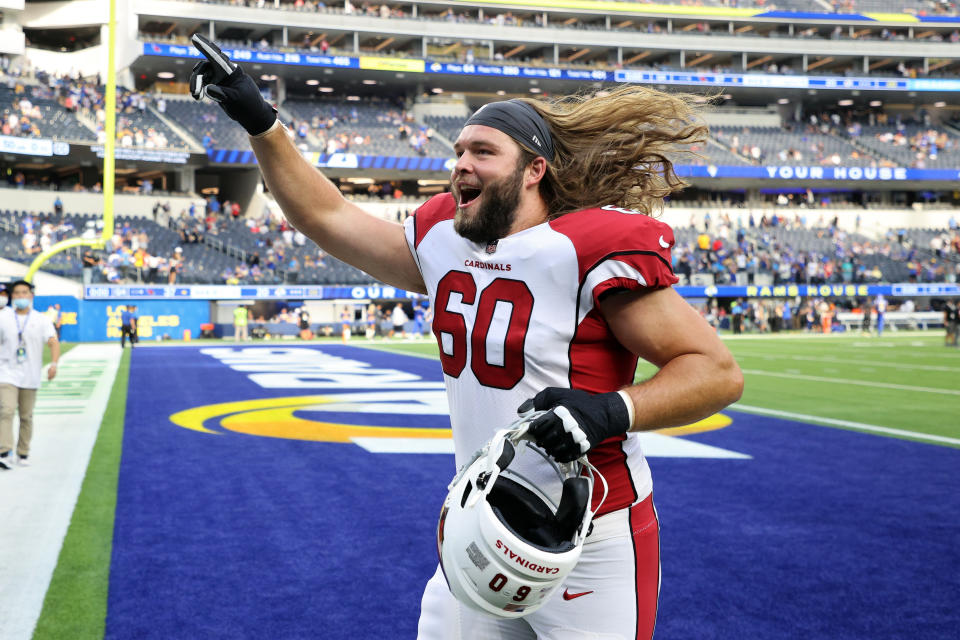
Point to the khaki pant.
(11, 399)
(240, 333)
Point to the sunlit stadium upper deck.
(603, 34)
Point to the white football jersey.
(522, 314)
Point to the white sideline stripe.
(654, 445)
(376, 346)
(843, 423)
(809, 335)
(873, 363)
(657, 445)
(37, 502)
(860, 383)
(405, 445)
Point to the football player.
(549, 279)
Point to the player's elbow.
(729, 379)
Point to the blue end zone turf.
(226, 536)
(823, 533)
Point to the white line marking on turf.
(657, 445)
(842, 423)
(807, 335)
(928, 353)
(38, 501)
(401, 352)
(405, 445)
(873, 363)
(860, 383)
(654, 445)
(876, 344)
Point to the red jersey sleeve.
(437, 209)
(618, 249)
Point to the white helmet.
(504, 545)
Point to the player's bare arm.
(698, 375)
(309, 201)
(316, 207)
(54, 345)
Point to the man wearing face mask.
(23, 332)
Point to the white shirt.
(37, 330)
(398, 316)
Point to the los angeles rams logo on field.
(406, 414)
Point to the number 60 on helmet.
(505, 546)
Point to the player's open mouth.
(468, 195)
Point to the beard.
(496, 213)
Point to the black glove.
(578, 421)
(223, 81)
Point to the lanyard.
(20, 329)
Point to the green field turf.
(76, 602)
(904, 381)
(63, 349)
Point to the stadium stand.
(138, 125)
(714, 153)
(222, 249)
(207, 123)
(465, 53)
(522, 15)
(263, 251)
(913, 145)
(276, 248)
(363, 126)
(37, 110)
(785, 249)
(916, 7)
(448, 126)
(783, 146)
(29, 112)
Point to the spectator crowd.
(736, 252)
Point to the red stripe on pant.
(645, 530)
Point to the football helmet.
(505, 546)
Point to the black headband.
(518, 120)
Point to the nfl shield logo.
(491, 246)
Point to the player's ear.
(536, 170)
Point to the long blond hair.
(615, 148)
